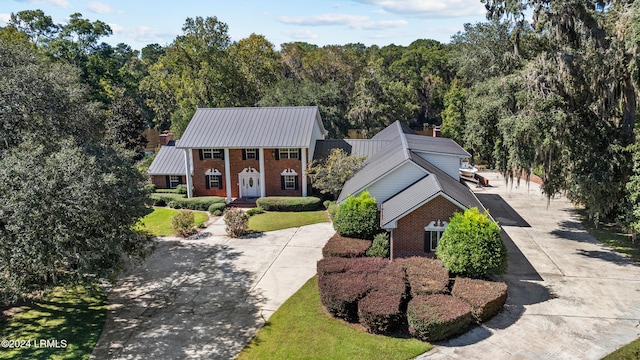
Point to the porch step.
(244, 203)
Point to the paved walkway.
(205, 297)
(570, 297)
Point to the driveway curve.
(570, 296)
(206, 296)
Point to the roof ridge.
(405, 144)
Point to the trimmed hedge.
(289, 203)
(217, 206)
(366, 265)
(178, 201)
(159, 199)
(437, 317)
(358, 217)
(387, 283)
(340, 294)
(485, 297)
(341, 246)
(380, 312)
(425, 276)
(332, 265)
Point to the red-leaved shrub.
(332, 265)
(385, 283)
(366, 265)
(437, 317)
(341, 292)
(380, 312)
(341, 246)
(485, 297)
(425, 276)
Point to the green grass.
(628, 352)
(76, 315)
(158, 223)
(270, 221)
(300, 329)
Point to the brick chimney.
(436, 131)
(165, 137)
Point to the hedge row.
(437, 317)
(380, 312)
(178, 201)
(425, 276)
(341, 246)
(332, 265)
(289, 203)
(159, 199)
(485, 297)
(340, 294)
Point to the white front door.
(249, 183)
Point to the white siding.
(395, 181)
(448, 164)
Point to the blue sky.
(321, 22)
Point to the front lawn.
(300, 329)
(158, 223)
(70, 319)
(270, 221)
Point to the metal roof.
(251, 127)
(168, 161)
(356, 147)
(392, 131)
(437, 145)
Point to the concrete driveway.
(570, 297)
(205, 297)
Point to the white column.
(303, 155)
(187, 166)
(263, 188)
(391, 245)
(227, 174)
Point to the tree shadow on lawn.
(524, 289)
(188, 300)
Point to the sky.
(321, 22)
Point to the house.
(167, 169)
(250, 152)
(415, 180)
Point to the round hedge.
(357, 217)
(437, 317)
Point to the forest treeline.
(556, 96)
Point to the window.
(432, 234)
(214, 182)
(290, 182)
(174, 181)
(250, 154)
(291, 153)
(213, 154)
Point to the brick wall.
(273, 171)
(160, 181)
(200, 167)
(408, 237)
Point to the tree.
(330, 175)
(125, 125)
(258, 64)
(453, 115)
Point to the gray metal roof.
(168, 161)
(437, 145)
(393, 131)
(251, 127)
(356, 147)
(375, 167)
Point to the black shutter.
(296, 181)
(282, 182)
(168, 182)
(299, 154)
(179, 179)
(277, 154)
(257, 154)
(244, 154)
(219, 181)
(206, 181)
(222, 154)
(200, 154)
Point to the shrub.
(366, 265)
(199, 203)
(162, 199)
(217, 213)
(471, 245)
(235, 221)
(340, 294)
(149, 188)
(357, 217)
(255, 210)
(201, 225)
(380, 312)
(327, 203)
(289, 203)
(380, 246)
(425, 276)
(166, 191)
(216, 206)
(181, 189)
(332, 265)
(333, 209)
(437, 317)
(182, 223)
(173, 204)
(345, 247)
(387, 282)
(158, 202)
(485, 297)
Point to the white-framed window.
(214, 181)
(432, 234)
(288, 153)
(174, 181)
(251, 154)
(213, 154)
(290, 182)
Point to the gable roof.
(252, 127)
(356, 147)
(437, 145)
(168, 161)
(393, 131)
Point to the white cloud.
(101, 8)
(301, 34)
(325, 19)
(380, 25)
(429, 8)
(144, 34)
(4, 19)
(58, 3)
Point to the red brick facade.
(160, 181)
(273, 171)
(408, 237)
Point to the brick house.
(167, 169)
(416, 182)
(249, 152)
